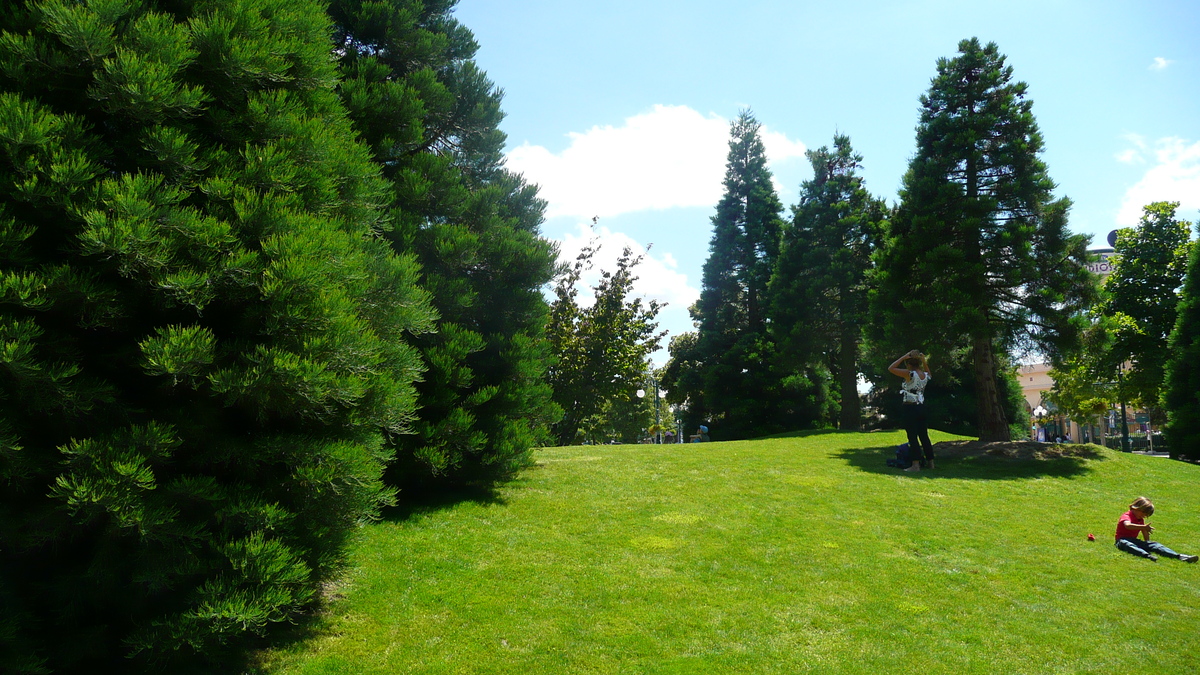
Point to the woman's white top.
(914, 387)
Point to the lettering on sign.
(1104, 265)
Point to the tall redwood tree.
(978, 255)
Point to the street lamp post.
(1124, 419)
(657, 418)
(1039, 413)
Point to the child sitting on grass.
(1132, 522)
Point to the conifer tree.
(978, 254)
(205, 337)
(1181, 400)
(431, 118)
(740, 390)
(819, 289)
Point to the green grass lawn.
(787, 555)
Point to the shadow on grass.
(309, 625)
(972, 466)
(803, 434)
(411, 503)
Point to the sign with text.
(1102, 266)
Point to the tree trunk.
(993, 425)
(851, 417)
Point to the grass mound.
(1018, 450)
(785, 555)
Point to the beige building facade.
(1036, 384)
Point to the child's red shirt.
(1129, 516)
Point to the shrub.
(203, 335)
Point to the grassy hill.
(786, 555)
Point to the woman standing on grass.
(915, 372)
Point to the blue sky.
(621, 109)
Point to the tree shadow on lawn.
(309, 624)
(803, 434)
(413, 502)
(973, 460)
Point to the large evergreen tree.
(1182, 396)
(745, 239)
(978, 254)
(204, 336)
(431, 118)
(1141, 296)
(819, 289)
(729, 376)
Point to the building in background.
(1036, 381)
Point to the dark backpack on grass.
(902, 460)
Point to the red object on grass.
(1091, 537)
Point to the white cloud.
(658, 277)
(1129, 156)
(1160, 63)
(779, 147)
(668, 157)
(1136, 154)
(1174, 176)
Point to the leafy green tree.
(683, 380)
(602, 349)
(205, 339)
(745, 240)
(1141, 296)
(431, 118)
(1081, 391)
(978, 253)
(625, 418)
(1181, 399)
(819, 288)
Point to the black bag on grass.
(902, 460)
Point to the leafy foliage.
(1141, 296)
(602, 348)
(1181, 398)
(204, 339)
(978, 254)
(1082, 391)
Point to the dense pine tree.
(431, 118)
(728, 375)
(204, 336)
(745, 238)
(1182, 395)
(819, 289)
(978, 255)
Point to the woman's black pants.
(917, 428)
